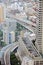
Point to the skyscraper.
(2, 12)
(39, 34)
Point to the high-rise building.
(11, 37)
(39, 34)
(8, 27)
(2, 12)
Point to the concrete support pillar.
(8, 59)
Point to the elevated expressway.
(22, 52)
(5, 53)
(24, 22)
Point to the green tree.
(14, 60)
(1, 36)
(3, 44)
(1, 33)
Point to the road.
(22, 51)
(5, 53)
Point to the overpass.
(28, 50)
(5, 53)
(22, 51)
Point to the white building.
(11, 37)
(27, 61)
(8, 27)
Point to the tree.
(3, 44)
(14, 60)
(1, 36)
(1, 33)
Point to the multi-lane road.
(21, 51)
(5, 53)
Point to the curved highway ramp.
(5, 53)
(22, 51)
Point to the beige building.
(2, 12)
(42, 30)
(39, 34)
